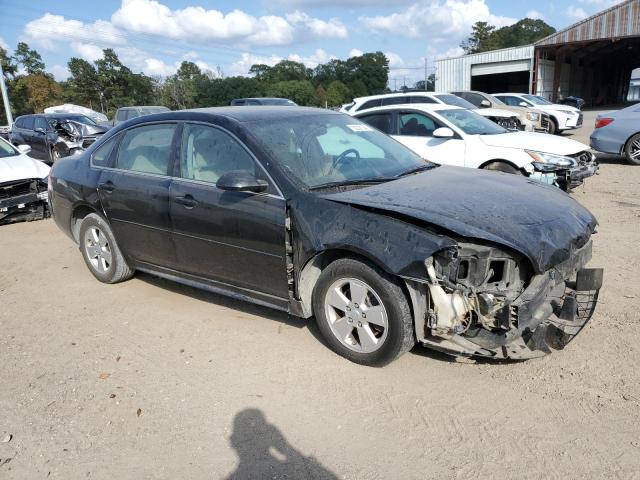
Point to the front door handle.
(107, 186)
(187, 201)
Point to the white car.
(504, 118)
(563, 117)
(456, 136)
(23, 185)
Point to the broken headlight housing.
(548, 162)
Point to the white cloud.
(313, 60)
(436, 20)
(59, 72)
(242, 66)
(576, 13)
(451, 52)
(354, 52)
(88, 51)
(201, 25)
(535, 15)
(3, 44)
(49, 31)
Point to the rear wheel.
(101, 252)
(363, 313)
(502, 167)
(632, 150)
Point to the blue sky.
(154, 36)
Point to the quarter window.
(147, 149)
(417, 125)
(208, 153)
(102, 154)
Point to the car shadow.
(264, 452)
(608, 159)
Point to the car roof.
(427, 107)
(401, 94)
(136, 107)
(239, 114)
(261, 98)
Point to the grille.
(9, 190)
(586, 304)
(544, 122)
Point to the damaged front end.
(487, 301)
(74, 137)
(23, 200)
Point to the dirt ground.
(151, 380)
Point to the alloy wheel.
(98, 250)
(356, 315)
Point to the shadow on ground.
(264, 452)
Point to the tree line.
(485, 37)
(107, 84)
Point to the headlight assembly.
(533, 116)
(546, 162)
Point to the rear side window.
(102, 155)
(27, 123)
(19, 123)
(370, 104)
(381, 121)
(147, 149)
(121, 115)
(474, 98)
(208, 153)
(395, 101)
(421, 99)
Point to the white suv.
(563, 117)
(456, 136)
(504, 118)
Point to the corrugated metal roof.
(622, 20)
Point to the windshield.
(81, 119)
(277, 101)
(326, 149)
(536, 100)
(471, 123)
(455, 101)
(6, 150)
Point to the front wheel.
(101, 252)
(553, 126)
(632, 150)
(363, 313)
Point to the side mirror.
(485, 103)
(523, 104)
(24, 149)
(241, 181)
(443, 132)
(39, 130)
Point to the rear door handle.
(107, 186)
(187, 201)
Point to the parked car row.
(320, 214)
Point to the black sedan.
(315, 213)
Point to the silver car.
(619, 133)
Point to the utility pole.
(426, 75)
(5, 98)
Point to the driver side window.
(417, 125)
(208, 153)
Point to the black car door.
(235, 238)
(39, 143)
(135, 193)
(27, 135)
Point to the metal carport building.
(592, 59)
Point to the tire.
(502, 167)
(553, 126)
(101, 252)
(374, 341)
(633, 148)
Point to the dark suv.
(53, 136)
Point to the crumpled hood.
(21, 167)
(541, 142)
(541, 222)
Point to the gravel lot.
(148, 379)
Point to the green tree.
(300, 91)
(83, 84)
(283, 71)
(29, 59)
(8, 65)
(338, 93)
(480, 38)
(39, 91)
(320, 96)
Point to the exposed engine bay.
(23, 200)
(483, 300)
(74, 137)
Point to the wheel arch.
(78, 213)
(500, 160)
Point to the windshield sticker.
(360, 128)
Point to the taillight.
(603, 122)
